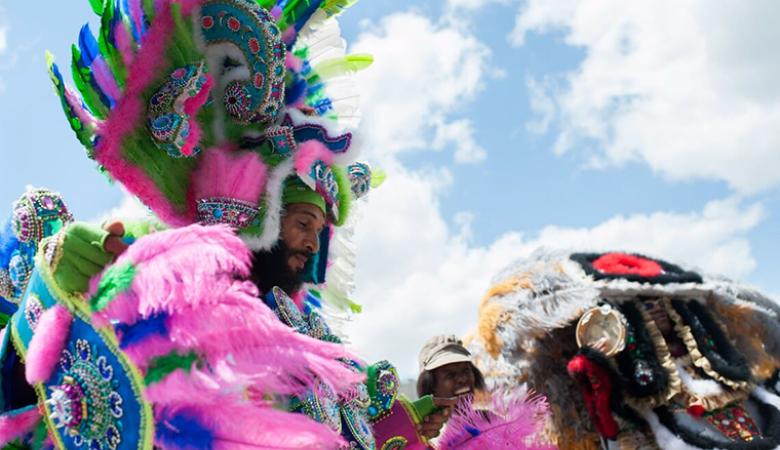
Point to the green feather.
(378, 176)
(110, 53)
(115, 280)
(339, 66)
(148, 7)
(334, 7)
(81, 78)
(97, 6)
(163, 366)
(345, 194)
(83, 132)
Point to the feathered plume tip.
(228, 173)
(176, 304)
(513, 421)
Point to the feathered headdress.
(204, 109)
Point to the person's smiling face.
(453, 380)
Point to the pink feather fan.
(191, 278)
(513, 421)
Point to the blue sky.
(503, 125)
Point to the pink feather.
(105, 79)
(224, 172)
(137, 13)
(47, 344)
(191, 107)
(14, 425)
(128, 114)
(514, 421)
(293, 62)
(75, 103)
(310, 152)
(125, 44)
(189, 274)
(241, 425)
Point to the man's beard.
(271, 268)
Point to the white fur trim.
(273, 205)
(767, 397)
(700, 388)
(663, 436)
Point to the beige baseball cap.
(442, 350)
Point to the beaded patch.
(311, 131)
(735, 423)
(85, 402)
(37, 214)
(168, 119)
(322, 407)
(322, 180)
(253, 30)
(222, 210)
(282, 140)
(33, 310)
(6, 287)
(359, 178)
(395, 443)
(358, 426)
(288, 311)
(19, 272)
(383, 385)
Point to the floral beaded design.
(33, 310)
(252, 30)
(222, 210)
(85, 402)
(360, 178)
(169, 120)
(395, 443)
(37, 214)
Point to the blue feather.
(296, 91)
(89, 53)
(8, 243)
(183, 430)
(125, 12)
(472, 430)
(303, 18)
(115, 19)
(88, 46)
(313, 301)
(132, 334)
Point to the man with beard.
(215, 113)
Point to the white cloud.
(686, 87)
(130, 208)
(418, 275)
(3, 38)
(460, 134)
(471, 5)
(423, 74)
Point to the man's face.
(302, 224)
(453, 380)
(299, 241)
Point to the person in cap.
(446, 369)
